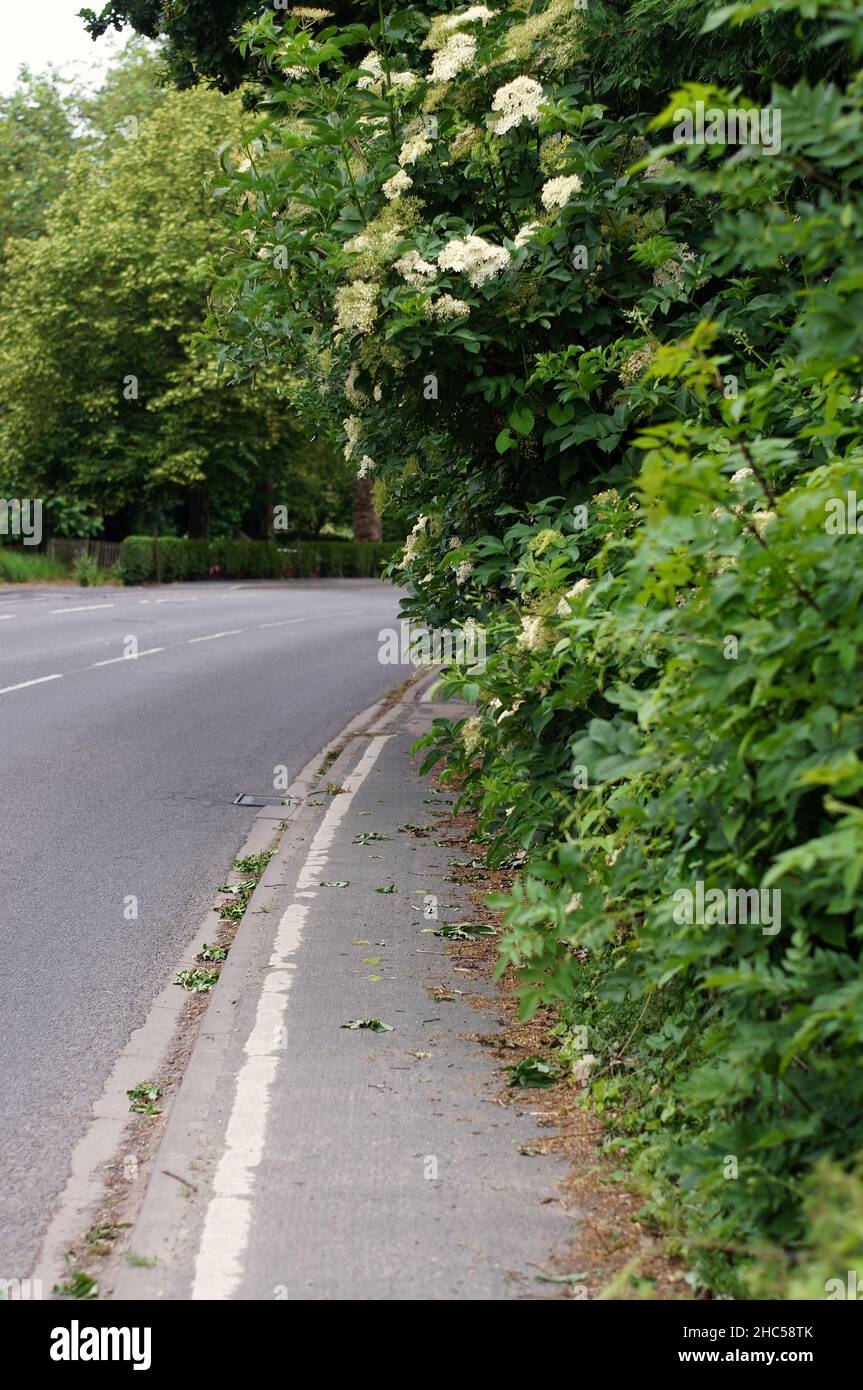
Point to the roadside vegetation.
(615, 380)
(611, 372)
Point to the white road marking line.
(84, 608)
(211, 636)
(151, 651)
(285, 622)
(228, 1219)
(4, 616)
(24, 684)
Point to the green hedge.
(225, 559)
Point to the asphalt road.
(118, 779)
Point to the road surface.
(118, 782)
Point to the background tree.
(38, 136)
(104, 394)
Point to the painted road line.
(151, 651)
(228, 1219)
(285, 622)
(7, 689)
(84, 608)
(4, 616)
(211, 636)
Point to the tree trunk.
(367, 523)
(198, 515)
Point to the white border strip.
(228, 1218)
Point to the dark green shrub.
(183, 559)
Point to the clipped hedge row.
(227, 559)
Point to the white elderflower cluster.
(633, 366)
(740, 475)
(404, 79)
(356, 307)
(308, 12)
(580, 587)
(372, 70)
(417, 272)
(660, 169)
(379, 244)
(366, 467)
(556, 193)
(446, 308)
(415, 541)
(534, 634)
(413, 149)
(352, 428)
(471, 734)
(356, 397)
(525, 233)
(463, 571)
(457, 53)
(761, 520)
(397, 185)
(476, 13)
(517, 101)
(478, 259)
(670, 274)
(378, 391)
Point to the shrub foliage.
(616, 378)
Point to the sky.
(48, 32)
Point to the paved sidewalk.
(328, 1163)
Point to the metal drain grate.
(245, 799)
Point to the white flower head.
(740, 475)
(534, 634)
(670, 274)
(372, 70)
(367, 466)
(476, 13)
(761, 520)
(413, 149)
(457, 53)
(356, 307)
(463, 571)
(471, 734)
(397, 185)
(446, 308)
(416, 271)
(525, 234)
(353, 428)
(478, 259)
(354, 394)
(556, 193)
(515, 102)
(415, 541)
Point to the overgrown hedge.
(226, 559)
(618, 381)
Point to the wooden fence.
(105, 553)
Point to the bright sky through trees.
(58, 38)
